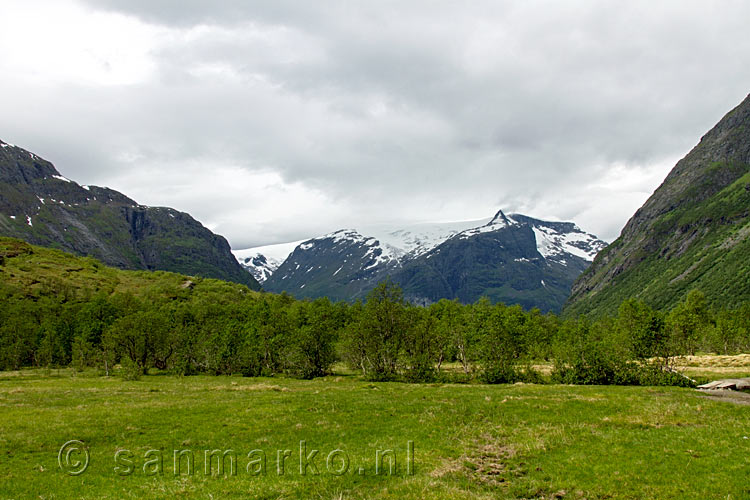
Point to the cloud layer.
(275, 121)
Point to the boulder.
(733, 384)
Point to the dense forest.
(107, 318)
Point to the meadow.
(469, 440)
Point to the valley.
(505, 356)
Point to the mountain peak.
(19, 166)
(499, 217)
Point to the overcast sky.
(272, 121)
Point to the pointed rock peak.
(499, 218)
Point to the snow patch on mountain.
(260, 266)
(262, 261)
(393, 245)
(554, 244)
(279, 251)
(417, 239)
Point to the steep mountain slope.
(691, 233)
(514, 259)
(343, 265)
(42, 207)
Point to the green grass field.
(470, 441)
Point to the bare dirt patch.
(736, 397)
(252, 387)
(487, 461)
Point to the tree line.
(383, 338)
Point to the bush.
(655, 374)
(310, 351)
(422, 348)
(129, 369)
(584, 357)
(500, 348)
(530, 376)
(374, 340)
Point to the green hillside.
(38, 272)
(691, 234)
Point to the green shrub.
(130, 370)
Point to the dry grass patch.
(253, 387)
(714, 361)
(487, 462)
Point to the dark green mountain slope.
(503, 265)
(40, 206)
(692, 232)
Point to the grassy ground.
(470, 441)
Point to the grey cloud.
(400, 110)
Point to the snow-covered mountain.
(510, 258)
(394, 244)
(554, 240)
(416, 239)
(513, 258)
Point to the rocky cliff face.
(691, 233)
(39, 205)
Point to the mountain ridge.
(463, 260)
(44, 208)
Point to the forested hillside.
(57, 309)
